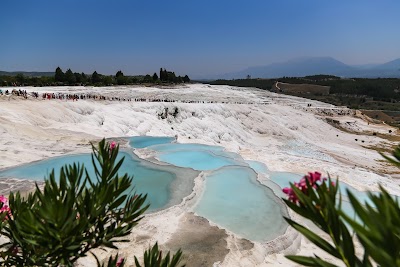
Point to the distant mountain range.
(298, 67)
(27, 73)
(317, 65)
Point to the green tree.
(121, 79)
(147, 79)
(171, 77)
(70, 77)
(59, 75)
(95, 78)
(119, 74)
(186, 79)
(84, 78)
(155, 77)
(107, 80)
(20, 78)
(67, 219)
(78, 77)
(162, 76)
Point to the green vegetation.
(387, 90)
(266, 84)
(357, 93)
(375, 225)
(67, 219)
(59, 78)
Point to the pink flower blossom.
(5, 207)
(291, 194)
(312, 178)
(119, 262)
(3, 199)
(113, 145)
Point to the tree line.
(69, 77)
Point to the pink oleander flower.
(312, 178)
(291, 194)
(119, 262)
(113, 145)
(5, 207)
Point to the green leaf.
(309, 261)
(314, 238)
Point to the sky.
(197, 38)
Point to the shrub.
(70, 217)
(377, 226)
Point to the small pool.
(146, 141)
(234, 199)
(197, 159)
(149, 178)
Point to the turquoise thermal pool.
(145, 141)
(232, 197)
(149, 178)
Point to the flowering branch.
(376, 226)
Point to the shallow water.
(235, 200)
(187, 147)
(148, 178)
(146, 141)
(232, 197)
(259, 167)
(283, 179)
(198, 160)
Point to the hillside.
(27, 73)
(316, 65)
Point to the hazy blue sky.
(193, 37)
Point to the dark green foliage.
(186, 79)
(67, 219)
(121, 79)
(257, 83)
(170, 77)
(70, 77)
(119, 74)
(320, 206)
(379, 229)
(64, 221)
(107, 80)
(381, 93)
(155, 77)
(153, 258)
(147, 78)
(163, 75)
(20, 78)
(78, 77)
(84, 78)
(59, 75)
(112, 262)
(95, 78)
(376, 226)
